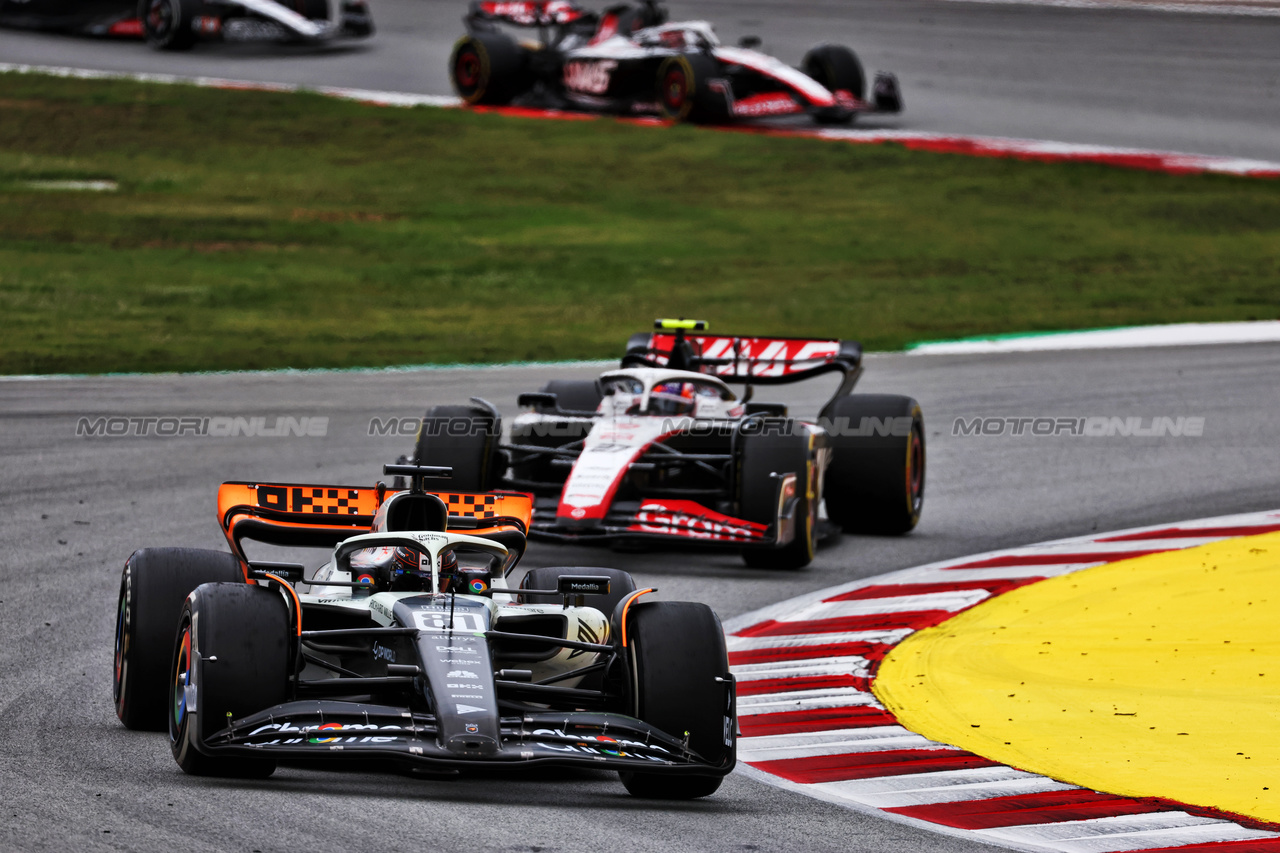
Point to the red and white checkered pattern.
(810, 722)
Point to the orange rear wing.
(316, 516)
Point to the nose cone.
(471, 745)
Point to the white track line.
(1174, 334)
(1208, 7)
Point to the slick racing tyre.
(838, 69)
(770, 447)
(231, 659)
(168, 24)
(621, 584)
(875, 483)
(153, 586)
(490, 69)
(676, 651)
(464, 438)
(688, 90)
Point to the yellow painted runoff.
(1157, 676)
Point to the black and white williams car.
(407, 645)
(631, 60)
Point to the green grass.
(257, 230)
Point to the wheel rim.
(181, 680)
(812, 516)
(119, 659)
(915, 470)
(159, 17)
(467, 70)
(675, 90)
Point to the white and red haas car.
(664, 448)
(630, 60)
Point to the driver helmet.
(671, 398)
(408, 574)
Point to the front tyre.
(231, 659)
(775, 448)
(688, 90)
(677, 654)
(489, 69)
(575, 395)
(154, 584)
(169, 24)
(837, 69)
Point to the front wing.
(662, 519)
(334, 729)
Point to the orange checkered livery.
(470, 506)
(320, 516)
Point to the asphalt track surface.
(1205, 84)
(73, 508)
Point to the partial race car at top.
(630, 60)
(408, 645)
(179, 24)
(665, 449)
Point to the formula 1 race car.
(179, 24)
(664, 449)
(629, 60)
(408, 645)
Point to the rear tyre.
(779, 447)
(838, 69)
(154, 584)
(621, 584)
(231, 659)
(676, 652)
(875, 483)
(464, 438)
(687, 90)
(489, 69)
(167, 24)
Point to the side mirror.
(772, 409)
